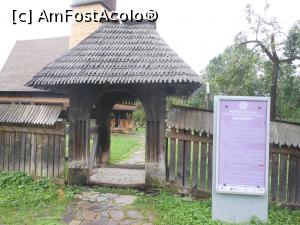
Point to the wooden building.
(121, 121)
(30, 56)
(117, 62)
(109, 64)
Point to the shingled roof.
(27, 58)
(109, 4)
(118, 54)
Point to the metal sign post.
(240, 158)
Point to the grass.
(169, 209)
(123, 145)
(25, 201)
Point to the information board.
(242, 145)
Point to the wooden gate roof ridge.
(118, 54)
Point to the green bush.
(27, 201)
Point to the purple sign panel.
(242, 144)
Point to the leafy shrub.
(20, 190)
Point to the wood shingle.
(128, 53)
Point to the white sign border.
(241, 190)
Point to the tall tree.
(236, 71)
(268, 36)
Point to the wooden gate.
(189, 155)
(36, 151)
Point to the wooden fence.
(189, 164)
(189, 157)
(37, 151)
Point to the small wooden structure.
(121, 121)
(118, 62)
(32, 139)
(189, 167)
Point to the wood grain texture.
(180, 158)
(203, 166)
(282, 178)
(38, 154)
(187, 161)
(28, 146)
(172, 169)
(209, 166)
(274, 176)
(195, 170)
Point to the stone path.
(118, 177)
(122, 177)
(93, 208)
(137, 157)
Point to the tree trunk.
(275, 73)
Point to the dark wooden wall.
(36, 151)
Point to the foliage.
(240, 70)
(169, 209)
(237, 71)
(279, 49)
(292, 42)
(234, 72)
(25, 201)
(139, 116)
(123, 145)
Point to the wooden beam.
(36, 100)
(188, 137)
(32, 130)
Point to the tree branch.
(273, 47)
(264, 48)
(289, 60)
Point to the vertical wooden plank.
(56, 156)
(167, 158)
(2, 149)
(11, 151)
(151, 141)
(283, 178)
(298, 182)
(274, 176)
(6, 153)
(22, 152)
(195, 162)
(291, 179)
(158, 140)
(187, 161)
(33, 154)
(148, 142)
(62, 156)
(180, 158)
(203, 165)
(39, 150)
(17, 152)
(45, 155)
(93, 151)
(51, 156)
(172, 170)
(28, 153)
(209, 166)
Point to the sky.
(197, 30)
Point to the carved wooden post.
(155, 106)
(103, 110)
(79, 144)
